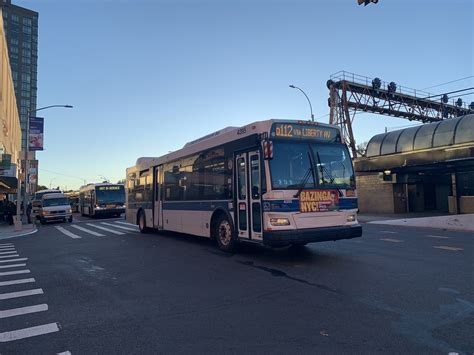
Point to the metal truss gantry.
(351, 93)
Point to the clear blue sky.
(146, 76)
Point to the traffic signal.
(366, 2)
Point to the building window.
(26, 78)
(25, 93)
(26, 45)
(27, 21)
(27, 29)
(15, 18)
(14, 49)
(26, 60)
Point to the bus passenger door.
(241, 196)
(157, 201)
(248, 195)
(255, 192)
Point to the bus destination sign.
(108, 188)
(287, 130)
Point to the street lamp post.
(307, 98)
(18, 221)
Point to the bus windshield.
(110, 194)
(311, 165)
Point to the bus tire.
(224, 234)
(142, 223)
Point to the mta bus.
(273, 182)
(103, 199)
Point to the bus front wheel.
(142, 223)
(224, 235)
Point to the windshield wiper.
(309, 172)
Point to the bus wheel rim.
(142, 222)
(225, 233)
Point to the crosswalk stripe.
(69, 234)
(6, 296)
(12, 265)
(121, 227)
(105, 229)
(28, 332)
(23, 310)
(87, 230)
(17, 282)
(391, 240)
(7, 248)
(437, 237)
(126, 223)
(14, 272)
(13, 260)
(6, 245)
(8, 252)
(446, 247)
(8, 256)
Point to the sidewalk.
(460, 222)
(7, 231)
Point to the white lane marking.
(6, 296)
(8, 252)
(391, 240)
(105, 229)
(69, 234)
(8, 256)
(121, 227)
(6, 245)
(437, 237)
(127, 224)
(28, 332)
(389, 232)
(12, 265)
(14, 272)
(7, 248)
(64, 353)
(12, 260)
(23, 310)
(88, 231)
(445, 247)
(17, 282)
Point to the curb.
(20, 235)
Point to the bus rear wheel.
(224, 235)
(142, 223)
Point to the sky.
(147, 76)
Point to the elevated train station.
(426, 168)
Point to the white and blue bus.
(102, 199)
(272, 182)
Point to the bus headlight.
(351, 218)
(69, 210)
(279, 221)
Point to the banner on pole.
(36, 133)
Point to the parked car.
(55, 207)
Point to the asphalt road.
(396, 289)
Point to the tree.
(42, 187)
(121, 181)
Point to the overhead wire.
(448, 82)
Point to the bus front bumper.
(313, 235)
(108, 211)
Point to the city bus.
(73, 200)
(273, 182)
(102, 199)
